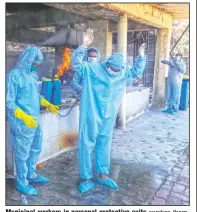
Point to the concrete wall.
(27, 35)
(59, 133)
(41, 18)
(137, 102)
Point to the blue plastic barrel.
(184, 95)
(46, 89)
(56, 92)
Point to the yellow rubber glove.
(28, 120)
(50, 107)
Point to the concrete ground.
(149, 161)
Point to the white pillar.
(122, 47)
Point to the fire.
(65, 62)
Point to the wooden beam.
(142, 13)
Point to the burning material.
(65, 62)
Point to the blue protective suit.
(174, 83)
(99, 105)
(84, 57)
(22, 92)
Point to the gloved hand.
(142, 50)
(53, 109)
(28, 120)
(88, 38)
(172, 63)
(50, 107)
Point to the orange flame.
(65, 62)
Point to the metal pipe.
(178, 41)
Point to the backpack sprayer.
(51, 90)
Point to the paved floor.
(175, 189)
(149, 161)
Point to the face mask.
(178, 58)
(90, 59)
(111, 72)
(33, 68)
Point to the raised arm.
(77, 58)
(138, 69)
(167, 62)
(77, 66)
(80, 52)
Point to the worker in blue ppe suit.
(174, 83)
(23, 110)
(90, 55)
(103, 87)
